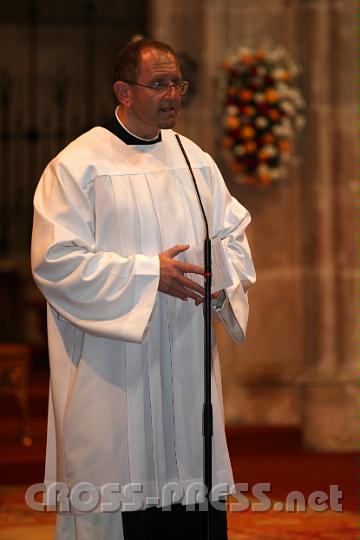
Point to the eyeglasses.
(180, 87)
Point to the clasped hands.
(172, 278)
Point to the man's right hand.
(172, 279)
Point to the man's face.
(153, 109)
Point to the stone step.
(259, 439)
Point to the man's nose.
(171, 90)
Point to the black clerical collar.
(117, 129)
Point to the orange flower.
(249, 111)
(232, 122)
(247, 132)
(231, 91)
(260, 55)
(267, 138)
(273, 114)
(284, 146)
(263, 155)
(271, 95)
(247, 59)
(227, 142)
(265, 179)
(246, 95)
(250, 147)
(235, 166)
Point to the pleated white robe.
(126, 360)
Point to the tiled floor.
(17, 522)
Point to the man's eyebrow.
(164, 77)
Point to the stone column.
(329, 406)
(297, 366)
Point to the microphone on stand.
(207, 430)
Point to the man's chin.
(167, 124)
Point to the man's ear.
(122, 93)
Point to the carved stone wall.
(298, 364)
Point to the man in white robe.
(114, 212)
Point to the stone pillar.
(297, 366)
(329, 407)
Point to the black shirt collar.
(117, 129)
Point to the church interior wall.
(297, 366)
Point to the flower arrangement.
(262, 113)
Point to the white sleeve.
(101, 292)
(230, 219)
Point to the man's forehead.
(156, 59)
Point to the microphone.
(196, 186)
(207, 430)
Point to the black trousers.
(175, 524)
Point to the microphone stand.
(207, 431)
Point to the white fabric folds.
(126, 360)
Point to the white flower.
(271, 58)
(233, 59)
(239, 150)
(282, 89)
(270, 150)
(287, 107)
(261, 71)
(285, 128)
(277, 54)
(259, 97)
(277, 130)
(275, 174)
(285, 122)
(297, 98)
(278, 73)
(232, 110)
(242, 51)
(293, 69)
(261, 122)
(299, 121)
(263, 169)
